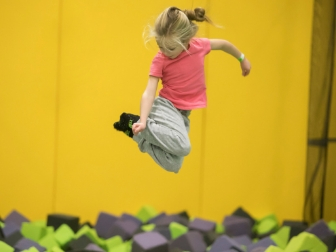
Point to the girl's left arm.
(226, 46)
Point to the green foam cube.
(113, 242)
(148, 227)
(48, 241)
(4, 247)
(281, 237)
(146, 213)
(267, 224)
(2, 225)
(33, 231)
(125, 247)
(177, 229)
(306, 241)
(64, 234)
(273, 249)
(220, 229)
(91, 233)
(332, 226)
(32, 249)
(56, 249)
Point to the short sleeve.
(156, 66)
(206, 45)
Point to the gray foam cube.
(11, 228)
(150, 242)
(104, 224)
(94, 247)
(126, 216)
(243, 240)
(24, 244)
(224, 243)
(237, 226)
(191, 241)
(202, 225)
(16, 218)
(124, 228)
(261, 244)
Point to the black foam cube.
(56, 220)
(13, 238)
(150, 242)
(242, 213)
(191, 241)
(296, 227)
(165, 231)
(79, 244)
(104, 224)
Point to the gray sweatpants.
(165, 137)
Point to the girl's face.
(173, 50)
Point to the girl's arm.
(146, 104)
(226, 46)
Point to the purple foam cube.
(320, 229)
(157, 217)
(94, 247)
(237, 226)
(124, 228)
(150, 242)
(11, 228)
(224, 243)
(240, 212)
(261, 244)
(126, 216)
(104, 224)
(16, 218)
(24, 244)
(191, 241)
(243, 240)
(166, 220)
(202, 225)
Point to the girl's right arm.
(146, 104)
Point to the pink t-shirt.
(183, 78)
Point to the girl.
(163, 126)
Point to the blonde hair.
(174, 26)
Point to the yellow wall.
(69, 68)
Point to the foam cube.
(48, 241)
(25, 243)
(93, 247)
(124, 228)
(80, 243)
(240, 212)
(237, 226)
(16, 218)
(306, 242)
(113, 242)
(146, 213)
(13, 238)
(32, 231)
(5, 247)
(191, 241)
(261, 244)
(165, 231)
(281, 237)
(150, 242)
(202, 225)
(177, 229)
(267, 225)
(104, 224)
(296, 227)
(243, 240)
(224, 243)
(11, 228)
(273, 249)
(56, 220)
(166, 220)
(126, 216)
(64, 234)
(156, 217)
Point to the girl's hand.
(246, 67)
(138, 127)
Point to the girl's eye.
(171, 49)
